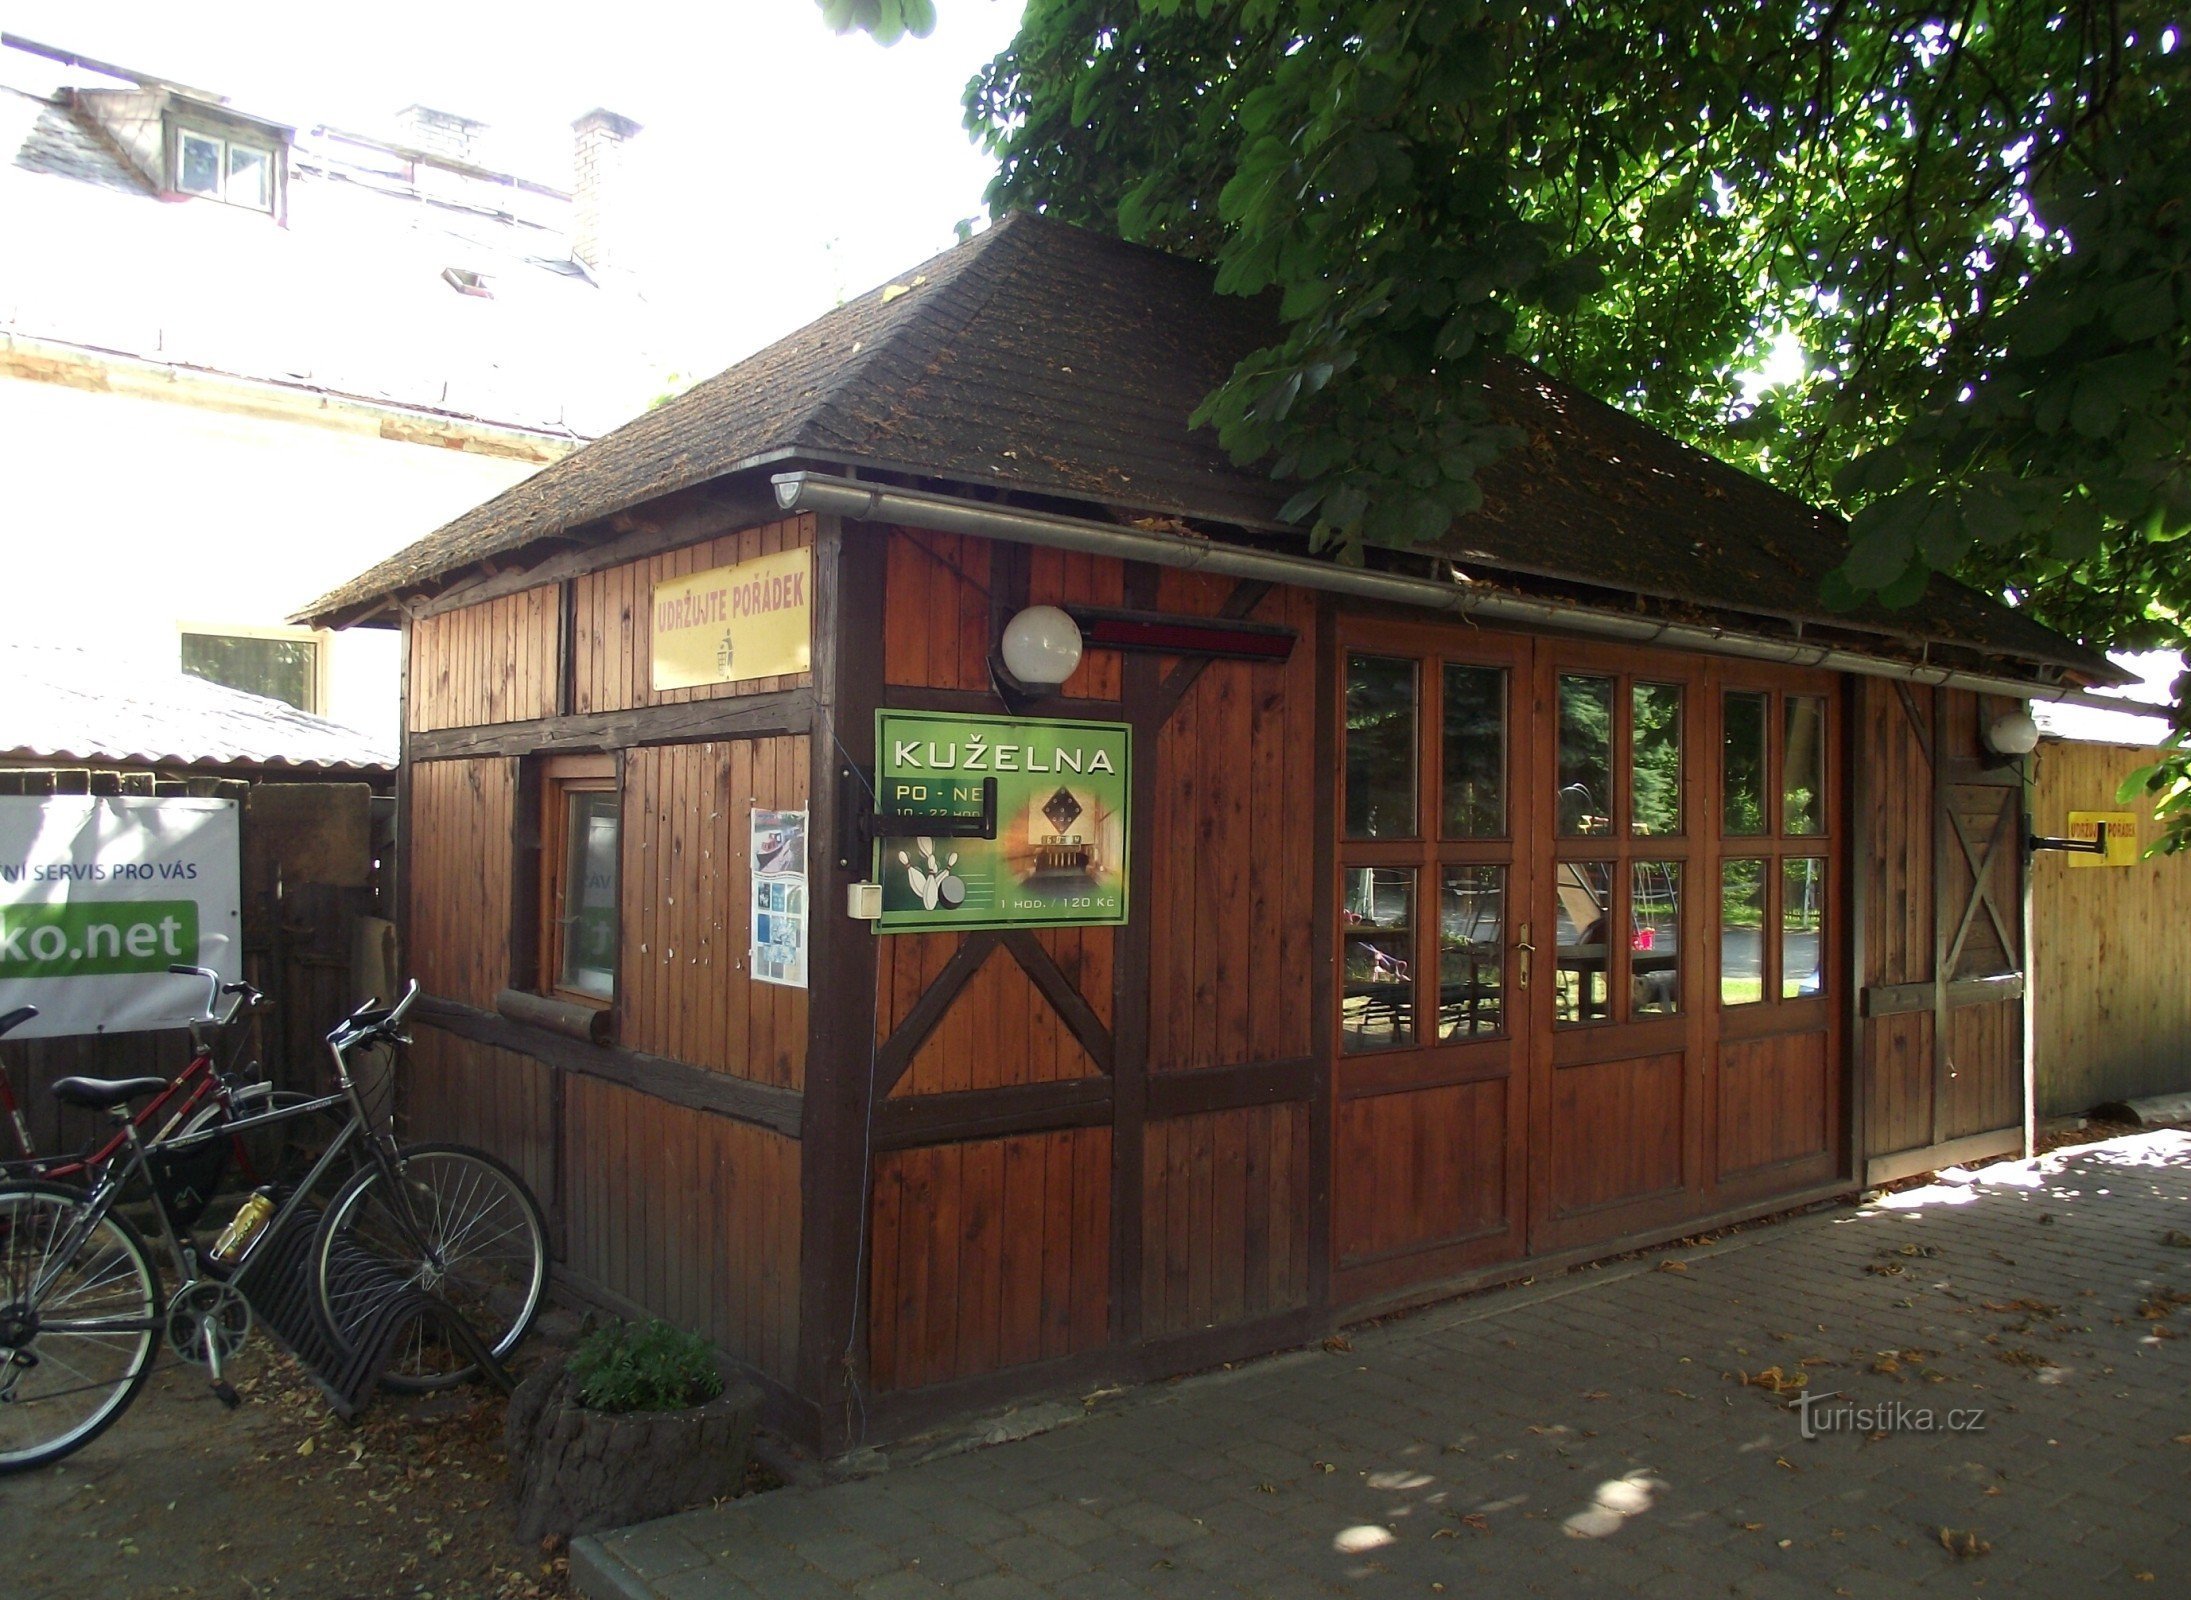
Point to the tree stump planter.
(574, 1470)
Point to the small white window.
(285, 664)
(224, 169)
(198, 165)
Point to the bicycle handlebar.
(371, 1019)
(244, 994)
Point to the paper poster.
(100, 896)
(779, 898)
(1059, 856)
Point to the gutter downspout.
(866, 502)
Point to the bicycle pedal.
(225, 1393)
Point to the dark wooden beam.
(1246, 595)
(734, 717)
(1187, 1094)
(841, 1068)
(1139, 683)
(1897, 999)
(898, 1050)
(1071, 1006)
(677, 1082)
(992, 1113)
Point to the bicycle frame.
(114, 1172)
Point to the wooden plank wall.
(1224, 1233)
(612, 661)
(987, 1254)
(1231, 899)
(1894, 845)
(493, 662)
(2111, 1010)
(687, 887)
(461, 847)
(693, 1216)
(1001, 1030)
(474, 1094)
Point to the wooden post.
(835, 1133)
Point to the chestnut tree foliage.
(1974, 218)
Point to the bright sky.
(781, 169)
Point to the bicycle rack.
(277, 1280)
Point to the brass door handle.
(1524, 949)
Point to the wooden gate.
(1940, 883)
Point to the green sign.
(1059, 856)
(93, 938)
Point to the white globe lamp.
(1041, 647)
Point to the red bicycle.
(198, 1098)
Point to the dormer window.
(220, 166)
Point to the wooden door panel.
(1617, 1134)
(1424, 1169)
(1775, 1097)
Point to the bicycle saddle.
(16, 1018)
(97, 1094)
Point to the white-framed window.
(221, 167)
(285, 664)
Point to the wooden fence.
(2111, 947)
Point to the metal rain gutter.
(872, 502)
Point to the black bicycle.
(82, 1308)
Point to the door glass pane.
(1741, 932)
(1802, 927)
(1582, 959)
(1742, 780)
(1586, 755)
(589, 896)
(1475, 751)
(1803, 766)
(250, 177)
(199, 162)
(1654, 937)
(1376, 919)
(1381, 695)
(1471, 952)
(1655, 799)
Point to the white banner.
(100, 896)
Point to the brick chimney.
(598, 194)
(438, 133)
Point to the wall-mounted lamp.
(2012, 734)
(1040, 649)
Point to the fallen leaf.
(1964, 1545)
(1671, 1265)
(1338, 1342)
(2178, 1238)
(1479, 1522)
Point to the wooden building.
(1720, 892)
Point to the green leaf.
(2133, 788)
(2145, 309)
(1990, 518)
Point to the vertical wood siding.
(684, 985)
(1421, 1168)
(1774, 1100)
(1224, 1220)
(471, 1093)
(1231, 896)
(612, 653)
(2110, 946)
(493, 662)
(694, 1216)
(1000, 1030)
(463, 814)
(938, 629)
(988, 1254)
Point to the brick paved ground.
(1590, 1435)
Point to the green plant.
(650, 1366)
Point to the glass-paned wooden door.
(1436, 952)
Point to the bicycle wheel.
(73, 1356)
(459, 1223)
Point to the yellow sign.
(2122, 837)
(729, 624)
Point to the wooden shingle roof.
(1046, 359)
